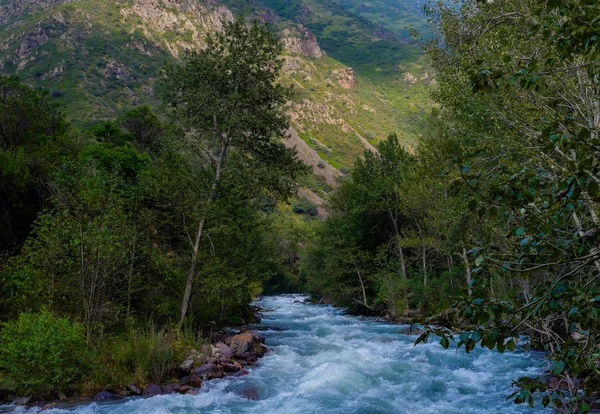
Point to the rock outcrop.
(345, 77)
(301, 41)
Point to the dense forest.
(134, 237)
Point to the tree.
(226, 98)
(518, 119)
(33, 139)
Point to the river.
(323, 361)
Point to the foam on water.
(325, 362)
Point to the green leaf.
(511, 345)
(488, 342)
(558, 367)
(520, 231)
(445, 343)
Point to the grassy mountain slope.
(385, 59)
(393, 15)
(101, 58)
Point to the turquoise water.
(323, 361)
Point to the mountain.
(356, 79)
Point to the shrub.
(307, 208)
(141, 356)
(41, 354)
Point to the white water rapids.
(322, 361)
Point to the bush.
(307, 208)
(141, 357)
(41, 354)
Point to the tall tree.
(227, 98)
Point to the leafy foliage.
(42, 353)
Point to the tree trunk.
(362, 285)
(424, 254)
(468, 270)
(450, 266)
(187, 294)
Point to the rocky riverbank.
(231, 356)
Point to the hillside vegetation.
(102, 58)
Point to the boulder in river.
(22, 400)
(152, 390)
(49, 406)
(247, 345)
(411, 331)
(249, 393)
(103, 396)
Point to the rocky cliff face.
(14, 10)
(301, 41)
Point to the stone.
(186, 367)
(225, 350)
(134, 389)
(152, 390)
(230, 367)
(249, 393)
(195, 381)
(22, 400)
(171, 388)
(183, 389)
(247, 345)
(185, 380)
(208, 371)
(204, 369)
(258, 335)
(242, 373)
(103, 395)
(411, 331)
(49, 406)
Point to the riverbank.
(232, 355)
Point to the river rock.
(208, 371)
(243, 372)
(103, 395)
(230, 367)
(152, 390)
(197, 358)
(195, 381)
(225, 350)
(134, 389)
(249, 393)
(247, 345)
(22, 400)
(258, 335)
(49, 406)
(411, 331)
(184, 389)
(186, 367)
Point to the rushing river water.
(323, 361)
